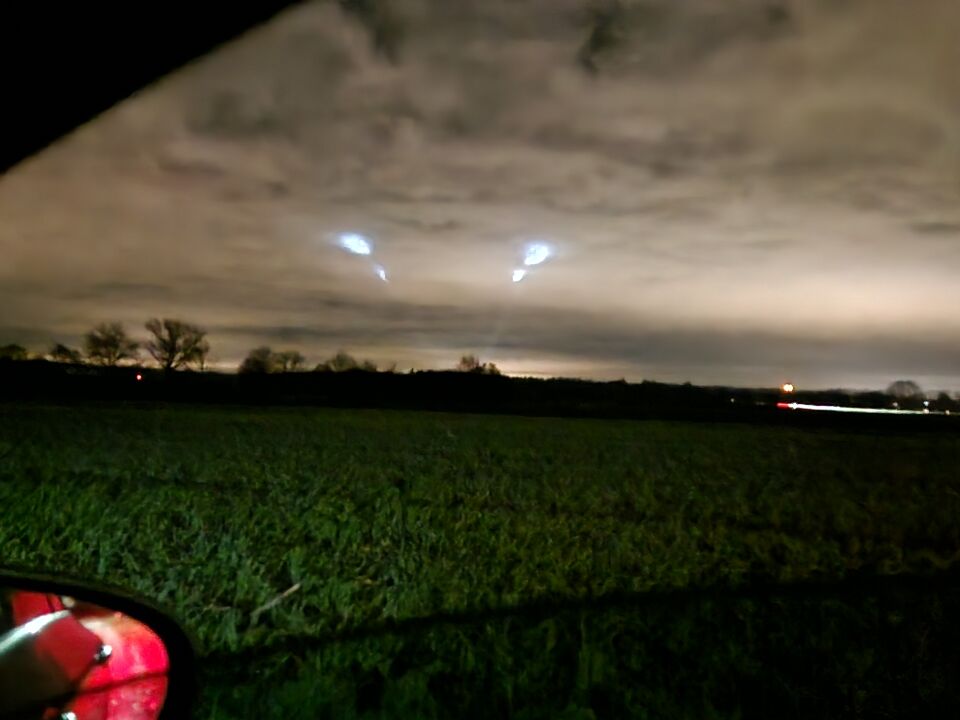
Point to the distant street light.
(787, 388)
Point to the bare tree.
(13, 352)
(368, 366)
(289, 361)
(64, 354)
(175, 343)
(945, 402)
(469, 363)
(201, 352)
(906, 394)
(108, 344)
(904, 389)
(472, 364)
(341, 362)
(259, 360)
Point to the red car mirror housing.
(106, 645)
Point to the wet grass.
(367, 517)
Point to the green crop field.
(300, 546)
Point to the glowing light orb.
(787, 387)
(381, 272)
(139, 377)
(355, 243)
(536, 253)
(519, 275)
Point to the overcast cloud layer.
(740, 193)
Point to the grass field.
(376, 517)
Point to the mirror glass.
(63, 657)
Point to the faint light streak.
(519, 275)
(536, 253)
(355, 243)
(847, 409)
(381, 272)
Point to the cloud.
(745, 185)
(121, 290)
(936, 227)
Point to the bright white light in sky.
(536, 253)
(658, 215)
(381, 272)
(355, 243)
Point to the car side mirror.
(75, 651)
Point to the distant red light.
(783, 406)
(139, 377)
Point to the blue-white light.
(519, 275)
(355, 243)
(536, 253)
(381, 272)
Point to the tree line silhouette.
(113, 366)
(173, 345)
(177, 345)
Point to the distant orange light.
(787, 387)
(139, 377)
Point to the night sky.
(737, 192)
